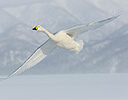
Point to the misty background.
(105, 49)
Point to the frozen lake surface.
(66, 87)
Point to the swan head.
(39, 28)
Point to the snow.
(66, 87)
(105, 49)
(61, 76)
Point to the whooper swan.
(63, 39)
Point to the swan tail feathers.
(81, 43)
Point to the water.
(66, 87)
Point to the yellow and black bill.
(35, 28)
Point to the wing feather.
(74, 31)
(39, 54)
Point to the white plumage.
(63, 39)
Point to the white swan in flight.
(63, 39)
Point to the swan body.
(67, 42)
(62, 39)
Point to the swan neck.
(48, 33)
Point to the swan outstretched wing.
(74, 31)
(39, 54)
